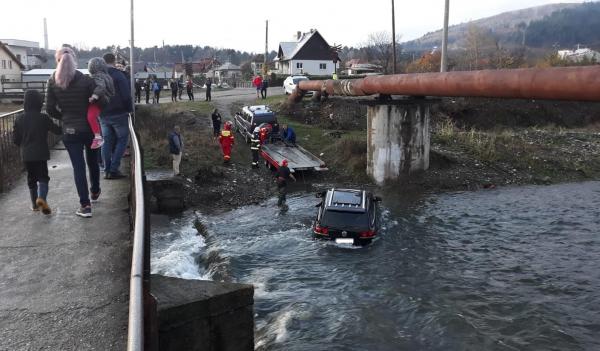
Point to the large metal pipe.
(562, 83)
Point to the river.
(503, 269)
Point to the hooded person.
(67, 98)
(103, 91)
(30, 133)
(226, 140)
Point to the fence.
(21, 87)
(142, 329)
(10, 155)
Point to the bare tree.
(379, 48)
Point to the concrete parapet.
(397, 138)
(203, 315)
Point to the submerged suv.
(253, 116)
(347, 216)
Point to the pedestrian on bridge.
(30, 132)
(67, 98)
(208, 89)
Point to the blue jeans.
(115, 130)
(76, 144)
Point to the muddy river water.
(503, 269)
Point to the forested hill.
(546, 26)
(567, 28)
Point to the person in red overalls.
(226, 140)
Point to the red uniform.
(226, 140)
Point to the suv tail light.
(367, 234)
(321, 230)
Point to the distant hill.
(513, 28)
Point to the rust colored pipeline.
(564, 83)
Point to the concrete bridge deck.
(64, 280)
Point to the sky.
(237, 24)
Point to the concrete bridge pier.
(397, 138)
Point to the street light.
(444, 64)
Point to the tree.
(428, 62)
(379, 48)
(478, 41)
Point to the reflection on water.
(505, 269)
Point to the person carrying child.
(103, 91)
(30, 133)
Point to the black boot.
(33, 195)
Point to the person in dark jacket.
(138, 91)
(115, 121)
(30, 132)
(67, 94)
(176, 148)
(282, 176)
(255, 146)
(180, 87)
(147, 88)
(216, 122)
(208, 89)
(263, 88)
(173, 85)
(288, 135)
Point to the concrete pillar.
(397, 139)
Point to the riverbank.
(467, 153)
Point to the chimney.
(45, 34)
(298, 35)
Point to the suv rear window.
(266, 118)
(349, 220)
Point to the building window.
(9, 64)
(19, 58)
(3, 64)
(322, 66)
(298, 64)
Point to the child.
(102, 93)
(30, 133)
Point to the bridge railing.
(10, 155)
(16, 87)
(142, 305)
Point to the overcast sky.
(238, 24)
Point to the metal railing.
(10, 87)
(142, 305)
(10, 155)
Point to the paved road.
(64, 280)
(237, 93)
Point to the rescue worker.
(255, 146)
(265, 131)
(226, 140)
(281, 178)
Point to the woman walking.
(67, 94)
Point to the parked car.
(289, 84)
(347, 216)
(253, 116)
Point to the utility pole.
(132, 65)
(265, 71)
(444, 63)
(393, 39)
(45, 35)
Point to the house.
(359, 67)
(579, 55)
(198, 68)
(227, 72)
(310, 54)
(10, 65)
(25, 51)
(43, 74)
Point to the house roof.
(11, 55)
(228, 66)
(289, 50)
(199, 67)
(49, 71)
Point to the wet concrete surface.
(64, 280)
